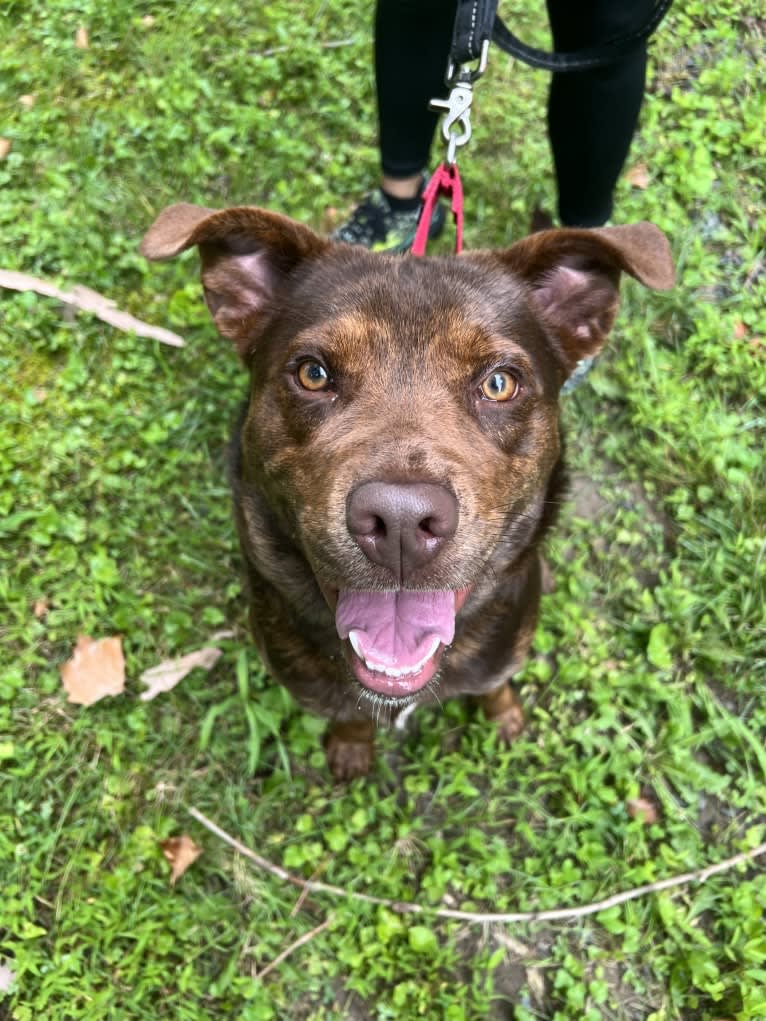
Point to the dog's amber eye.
(499, 386)
(313, 376)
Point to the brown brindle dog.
(399, 459)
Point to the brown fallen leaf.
(81, 39)
(643, 810)
(165, 676)
(89, 301)
(96, 670)
(638, 176)
(5, 147)
(180, 852)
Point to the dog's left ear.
(246, 253)
(574, 277)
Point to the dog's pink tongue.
(396, 628)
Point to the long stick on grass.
(550, 915)
(84, 298)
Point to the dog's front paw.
(350, 749)
(509, 724)
(503, 708)
(349, 759)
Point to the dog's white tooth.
(353, 637)
(428, 655)
(377, 668)
(434, 647)
(392, 671)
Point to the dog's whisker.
(434, 693)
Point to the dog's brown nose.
(402, 527)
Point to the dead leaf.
(6, 977)
(166, 675)
(517, 948)
(81, 39)
(89, 301)
(218, 635)
(96, 670)
(638, 176)
(180, 852)
(643, 810)
(28, 100)
(41, 608)
(536, 984)
(5, 147)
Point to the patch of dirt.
(593, 499)
(599, 499)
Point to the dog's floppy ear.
(574, 276)
(246, 253)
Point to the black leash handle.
(476, 22)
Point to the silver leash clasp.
(456, 123)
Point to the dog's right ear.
(246, 254)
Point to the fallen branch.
(86, 300)
(331, 44)
(305, 938)
(550, 915)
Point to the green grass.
(649, 662)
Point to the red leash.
(444, 181)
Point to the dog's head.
(402, 427)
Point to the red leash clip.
(444, 181)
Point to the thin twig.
(84, 298)
(305, 938)
(550, 915)
(331, 44)
(306, 891)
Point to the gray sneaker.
(375, 225)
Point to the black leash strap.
(476, 22)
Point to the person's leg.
(592, 114)
(412, 44)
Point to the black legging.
(591, 114)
